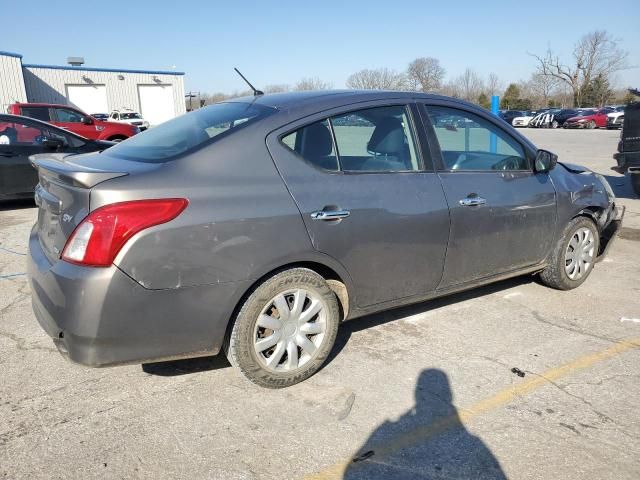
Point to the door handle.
(472, 201)
(330, 215)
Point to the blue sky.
(283, 41)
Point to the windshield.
(129, 116)
(188, 132)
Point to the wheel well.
(331, 276)
(116, 137)
(594, 213)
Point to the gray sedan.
(256, 226)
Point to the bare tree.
(425, 74)
(378, 79)
(542, 88)
(468, 86)
(276, 88)
(596, 54)
(494, 85)
(312, 83)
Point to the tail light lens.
(101, 235)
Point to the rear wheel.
(285, 329)
(574, 256)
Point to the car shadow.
(621, 186)
(21, 204)
(189, 366)
(427, 441)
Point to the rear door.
(503, 215)
(368, 197)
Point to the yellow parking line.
(501, 398)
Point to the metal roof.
(93, 69)
(10, 54)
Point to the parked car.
(524, 120)
(615, 119)
(563, 115)
(101, 116)
(509, 115)
(544, 118)
(255, 226)
(588, 119)
(132, 118)
(74, 120)
(21, 137)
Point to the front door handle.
(330, 214)
(472, 201)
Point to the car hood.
(574, 168)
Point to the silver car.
(256, 226)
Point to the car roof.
(28, 104)
(7, 117)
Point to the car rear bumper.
(100, 316)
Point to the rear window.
(39, 113)
(188, 132)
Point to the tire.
(591, 125)
(273, 353)
(635, 182)
(554, 124)
(559, 273)
(117, 139)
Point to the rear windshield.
(188, 132)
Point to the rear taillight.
(101, 235)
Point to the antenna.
(256, 92)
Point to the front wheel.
(554, 124)
(591, 125)
(285, 329)
(635, 182)
(573, 258)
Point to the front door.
(368, 198)
(503, 215)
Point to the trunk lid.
(63, 193)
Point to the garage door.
(156, 103)
(88, 98)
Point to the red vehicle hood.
(581, 117)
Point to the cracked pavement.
(391, 375)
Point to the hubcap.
(580, 253)
(289, 330)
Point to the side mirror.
(87, 120)
(545, 161)
(52, 143)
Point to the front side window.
(189, 132)
(469, 142)
(68, 116)
(371, 140)
(39, 113)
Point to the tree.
(598, 92)
(276, 88)
(312, 83)
(543, 87)
(467, 86)
(483, 101)
(596, 53)
(425, 74)
(494, 85)
(377, 79)
(511, 99)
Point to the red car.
(75, 121)
(588, 119)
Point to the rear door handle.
(330, 215)
(472, 201)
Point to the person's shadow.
(427, 442)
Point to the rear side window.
(39, 113)
(371, 140)
(188, 132)
(314, 144)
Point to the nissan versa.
(256, 226)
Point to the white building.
(157, 95)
